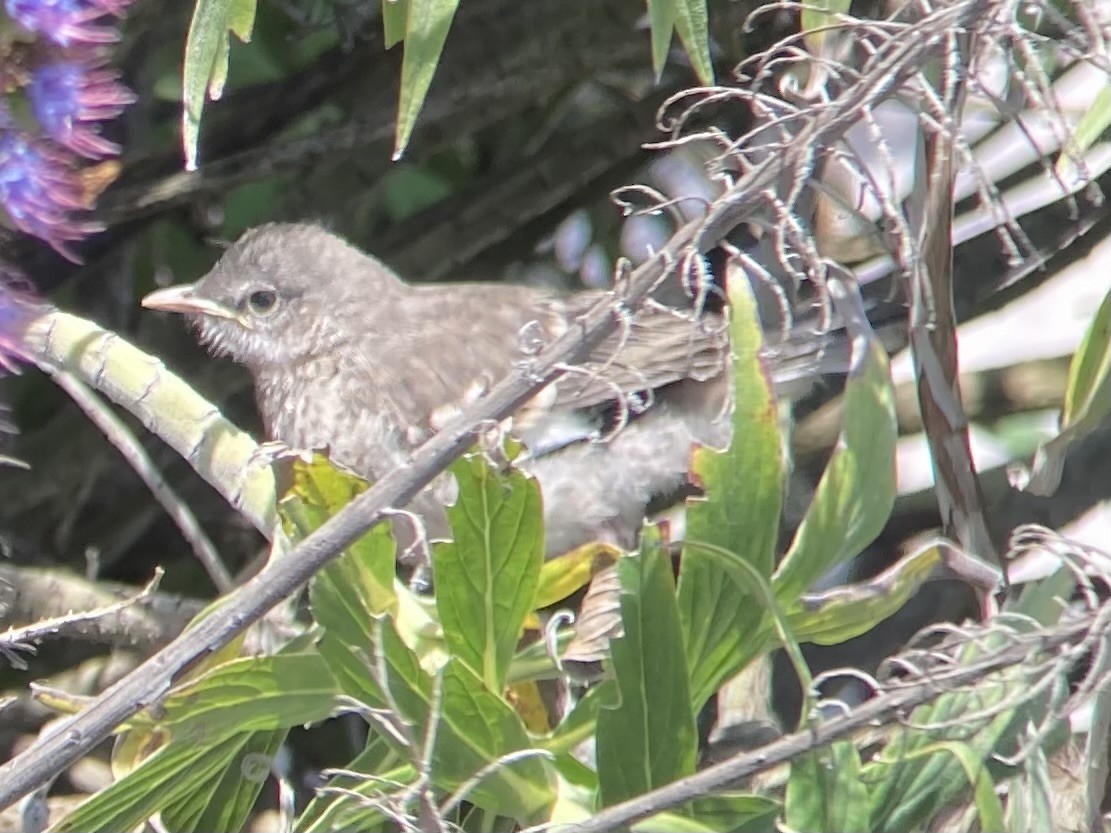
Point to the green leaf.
(579, 725)
(844, 612)
(825, 791)
(1087, 402)
(661, 19)
(857, 490)
(1088, 369)
(487, 725)
(649, 739)
(331, 809)
(692, 24)
(1091, 126)
(175, 773)
(228, 800)
(913, 776)
(360, 585)
(486, 578)
(734, 811)
(475, 728)
(250, 695)
(425, 34)
(206, 61)
(395, 16)
(744, 493)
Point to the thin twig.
(132, 450)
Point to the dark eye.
(262, 301)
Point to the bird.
(349, 358)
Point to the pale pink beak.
(183, 298)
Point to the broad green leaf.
(1087, 402)
(661, 19)
(174, 773)
(522, 789)
(206, 61)
(649, 739)
(474, 727)
(353, 589)
(395, 16)
(857, 490)
(226, 803)
(425, 34)
(486, 578)
(825, 791)
(250, 695)
(846, 611)
(740, 513)
(692, 24)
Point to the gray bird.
(348, 357)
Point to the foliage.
(463, 713)
(448, 734)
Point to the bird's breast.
(319, 410)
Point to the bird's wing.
(656, 347)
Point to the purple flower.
(39, 190)
(69, 97)
(68, 22)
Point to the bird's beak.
(183, 298)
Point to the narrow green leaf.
(206, 61)
(251, 694)
(1087, 402)
(913, 776)
(1091, 126)
(740, 513)
(486, 578)
(1030, 800)
(228, 800)
(649, 739)
(425, 34)
(825, 791)
(332, 809)
(395, 16)
(692, 24)
(1089, 367)
(661, 18)
(174, 773)
(857, 490)
(580, 724)
(843, 612)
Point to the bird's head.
(279, 295)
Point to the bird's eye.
(262, 301)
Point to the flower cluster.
(67, 88)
